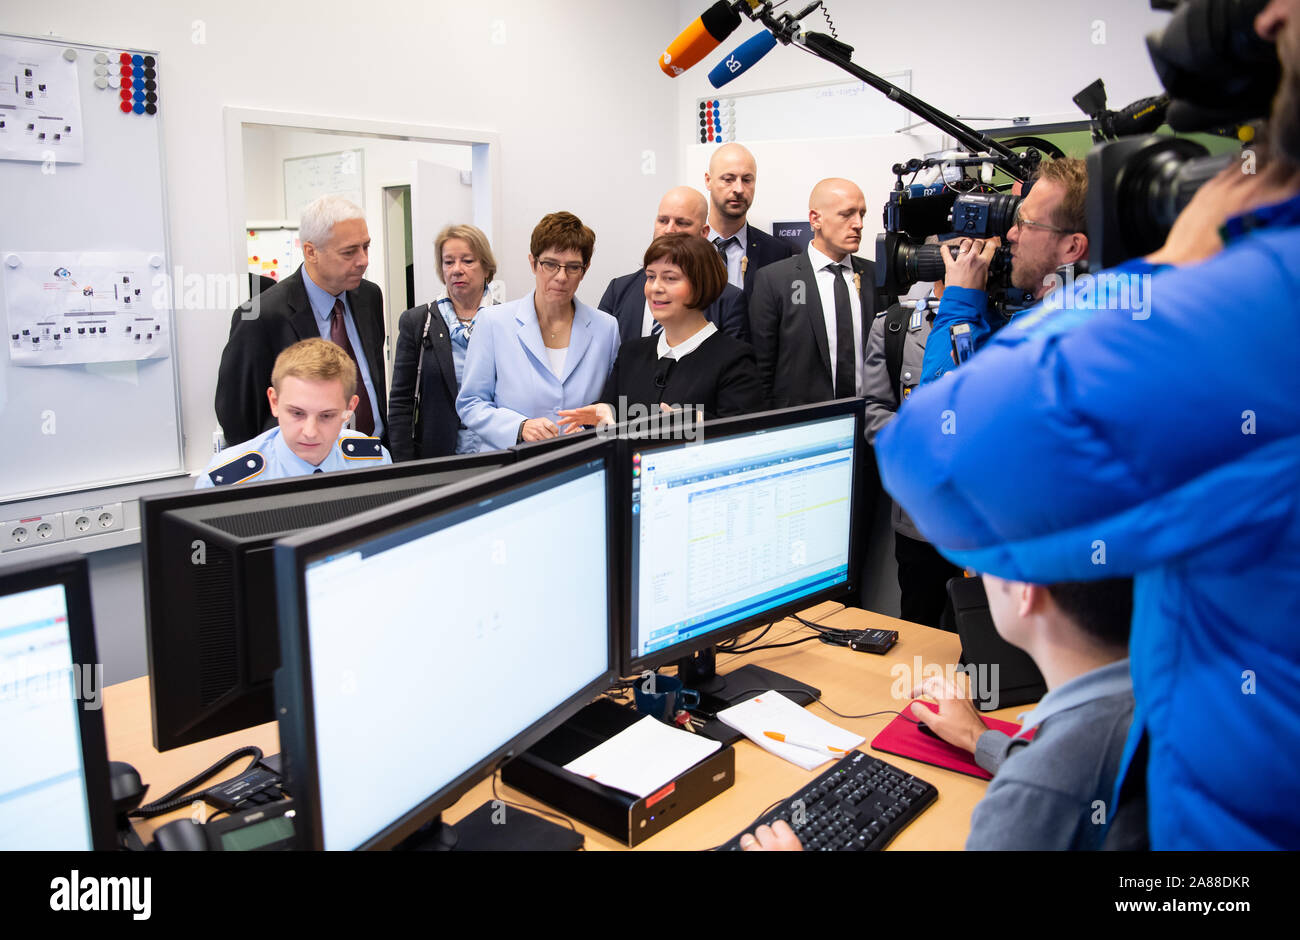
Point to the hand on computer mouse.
(778, 837)
(956, 721)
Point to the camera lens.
(984, 215)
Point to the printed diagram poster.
(94, 306)
(40, 103)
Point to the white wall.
(1003, 59)
(569, 85)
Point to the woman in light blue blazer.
(537, 355)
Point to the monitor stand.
(717, 692)
(493, 828)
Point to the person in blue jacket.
(543, 353)
(1160, 439)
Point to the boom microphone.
(699, 39)
(741, 58)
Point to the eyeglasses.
(1022, 222)
(552, 268)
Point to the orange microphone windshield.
(699, 39)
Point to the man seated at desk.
(1056, 790)
(312, 393)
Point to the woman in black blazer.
(687, 363)
(430, 354)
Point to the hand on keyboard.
(859, 803)
(778, 837)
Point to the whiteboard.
(273, 251)
(827, 109)
(71, 427)
(306, 178)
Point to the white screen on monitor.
(728, 528)
(43, 802)
(428, 656)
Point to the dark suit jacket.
(283, 318)
(719, 378)
(435, 432)
(624, 299)
(762, 249)
(790, 339)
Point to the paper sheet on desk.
(643, 757)
(772, 711)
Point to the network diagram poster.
(64, 308)
(40, 103)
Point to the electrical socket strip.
(60, 526)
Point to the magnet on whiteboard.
(70, 55)
(12, 260)
(155, 261)
(100, 58)
(101, 83)
(101, 70)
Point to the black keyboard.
(859, 804)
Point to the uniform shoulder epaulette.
(240, 470)
(361, 448)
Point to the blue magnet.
(138, 107)
(716, 104)
(137, 72)
(137, 60)
(139, 94)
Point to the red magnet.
(126, 107)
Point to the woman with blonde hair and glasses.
(432, 344)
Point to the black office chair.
(1018, 680)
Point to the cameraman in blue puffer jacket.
(1160, 438)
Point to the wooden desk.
(851, 683)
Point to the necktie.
(339, 336)
(845, 361)
(318, 470)
(657, 328)
(722, 246)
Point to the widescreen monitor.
(54, 778)
(424, 643)
(210, 624)
(752, 520)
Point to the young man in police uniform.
(312, 394)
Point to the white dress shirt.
(822, 265)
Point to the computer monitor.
(753, 520)
(210, 625)
(425, 642)
(54, 780)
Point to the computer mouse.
(926, 729)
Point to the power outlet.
(34, 530)
(93, 520)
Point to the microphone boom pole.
(839, 54)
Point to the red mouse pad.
(903, 737)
